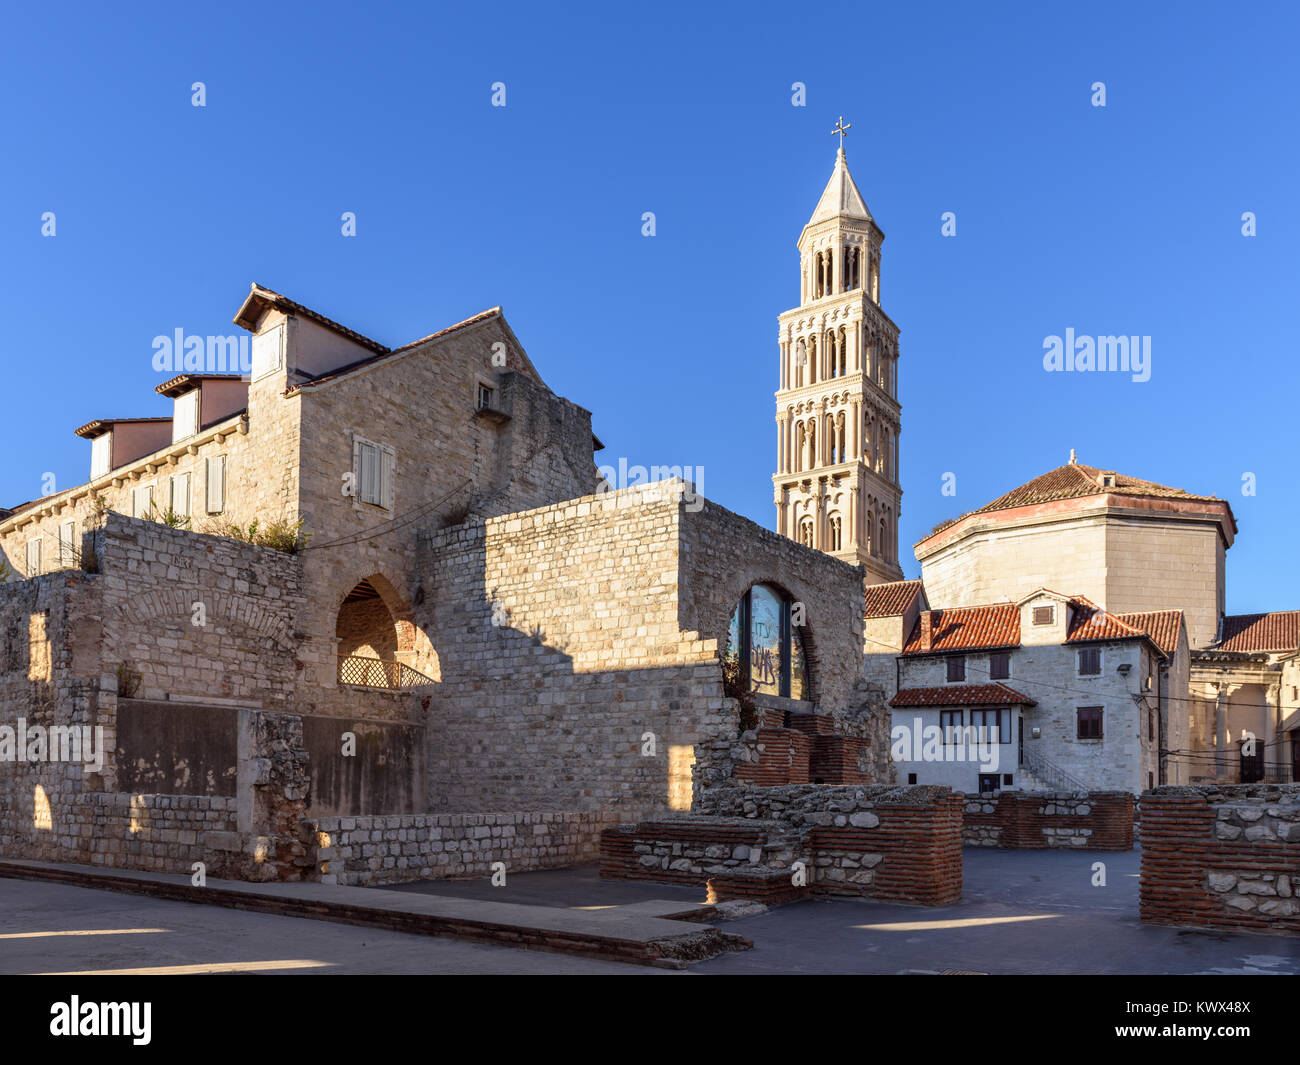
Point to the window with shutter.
(216, 484)
(34, 557)
(956, 668)
(180, 495)
(185, 415)
(142, 501)
(1089, 661)
(1044, 615)
(267, 350)
(999, 666)
(1089, 723)
(374, 473)
(101, 452)
(67, 544)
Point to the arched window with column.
(765, 648)
(836, 527)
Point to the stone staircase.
(1036, 773)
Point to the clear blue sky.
(1124, 219)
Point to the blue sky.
(1124, 219)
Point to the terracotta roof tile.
(1090, 622)
(889, 600)
(967, 629)
(1075, 481)
(961, 695)
(1161, 625)
(1278, 631)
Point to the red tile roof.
(890, 600)
(1089, 622)
(967, 628)
(1278, 631)
(1161, 625)
(1076, 481)
(961, 695)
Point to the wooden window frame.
(1079, 720)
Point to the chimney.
(927, 629)
(1072, 458)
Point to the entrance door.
(1252, 765)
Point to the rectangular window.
(185, 415)
(68, 544)
(1090, 661)
(988, 783)
(34, 557)
(142, 501)
(1000, 666)
(1151, 726)
(216, 484)
(485, 397)
(956, 668)
(1089, 723)
(993, 724)
(1044, 615)
(268, 348)
(180, 495)
(950, 723)
(911, 778)
(101, 455)
(373, 466)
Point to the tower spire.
(843, 131)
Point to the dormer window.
(1106, 480)
(185, 416)
(1045, 615)
(101, 455)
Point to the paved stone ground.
(1022, 912)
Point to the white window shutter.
(180, 501)
(216, 484)
(67, 543)
(34, 557)
(388, 465)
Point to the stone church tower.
(837, 412)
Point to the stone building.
(373, 589)
(837, 411)
(1134, 546)
(1047, 693)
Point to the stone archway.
(372, 625)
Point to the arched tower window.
(871, 532)
(765, 652)
(806, 532)
(837, 539)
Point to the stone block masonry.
(1226, 857)
(902, 844)
(364, 851)
(1099, 820)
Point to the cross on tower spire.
(842, 130)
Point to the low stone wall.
(886, 842)
(1098, 820)
(362, 851)
(1222, 857)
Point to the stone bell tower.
(837, 413)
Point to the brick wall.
(1099, 820)
(1226, 857)
(886, 842)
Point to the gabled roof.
(891, 599)
(1277, 631)
(185, 382)
(1089, 622)
(261, 299)
(841, 198)
(967, 628)
(102, 425)
(961, 695)
(1161, 625)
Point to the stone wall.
(364, 851)
(885, 842)
(1222, 857)
(1099, 820)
